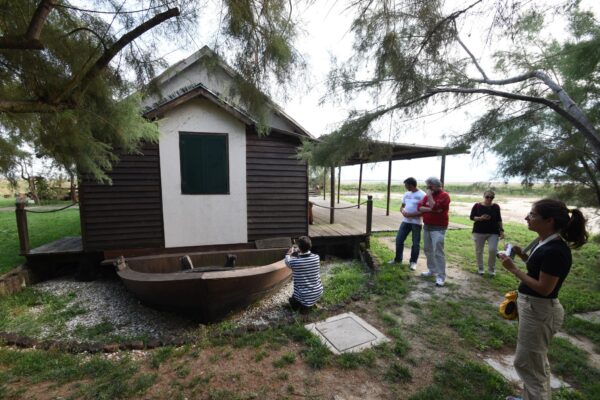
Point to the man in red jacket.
(434, 209)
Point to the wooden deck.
(66, 245)
(351, 221)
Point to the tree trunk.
(72, 187)
(33, 190)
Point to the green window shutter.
(204, 162)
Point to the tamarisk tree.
(72, 73)
(408, 54)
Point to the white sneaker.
(427, 274)
(480, 272)
(439, 282)
(412, 266)
(492, 274)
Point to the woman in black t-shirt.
(487, 228)
(540, 312)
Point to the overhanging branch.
(582, 126)
(100, 65)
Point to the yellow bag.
(508, 307)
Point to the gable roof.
(190, 78)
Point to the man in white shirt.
(410, 223)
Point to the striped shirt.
(306, 270)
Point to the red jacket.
(439, 214)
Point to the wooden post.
(339, 180)
(332, 201)
(369, 219)
(22, 225)
(359, 184)
(443, 172)
(387, 207)
(324, 182)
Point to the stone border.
(15, 280)
(74, 346)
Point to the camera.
(508, 250)
(295, 250)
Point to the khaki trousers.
(539, 320)
(480, 239)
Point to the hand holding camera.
(509, 251)
(294, 251)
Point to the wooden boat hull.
(207, 292)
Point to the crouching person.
(306, 268)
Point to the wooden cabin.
(210, 182)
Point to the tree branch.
(101, 64)
(33, 106)
(31, 39)
(572, 113)
(472, 58)
(451, 17)
(90, 31)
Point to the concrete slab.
(347, 333)
(504, 366)
(592, 316)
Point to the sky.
(325, 36)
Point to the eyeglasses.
(532, 215)
(489, 197)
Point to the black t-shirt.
(491, 225)
(553, 258)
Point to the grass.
(35, 313)
(570, 362)
(462, 378)
(105, 379)
(43, 228)
(343, 281)
(475, 321)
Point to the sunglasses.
(489, 197)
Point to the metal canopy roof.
(383, 151)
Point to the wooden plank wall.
(128, 213)
(277, 187)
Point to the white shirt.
(411, 201)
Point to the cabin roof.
(156, 107)
(385, 151)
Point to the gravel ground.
(108, 301)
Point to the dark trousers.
(405, 229)
(296, 305)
